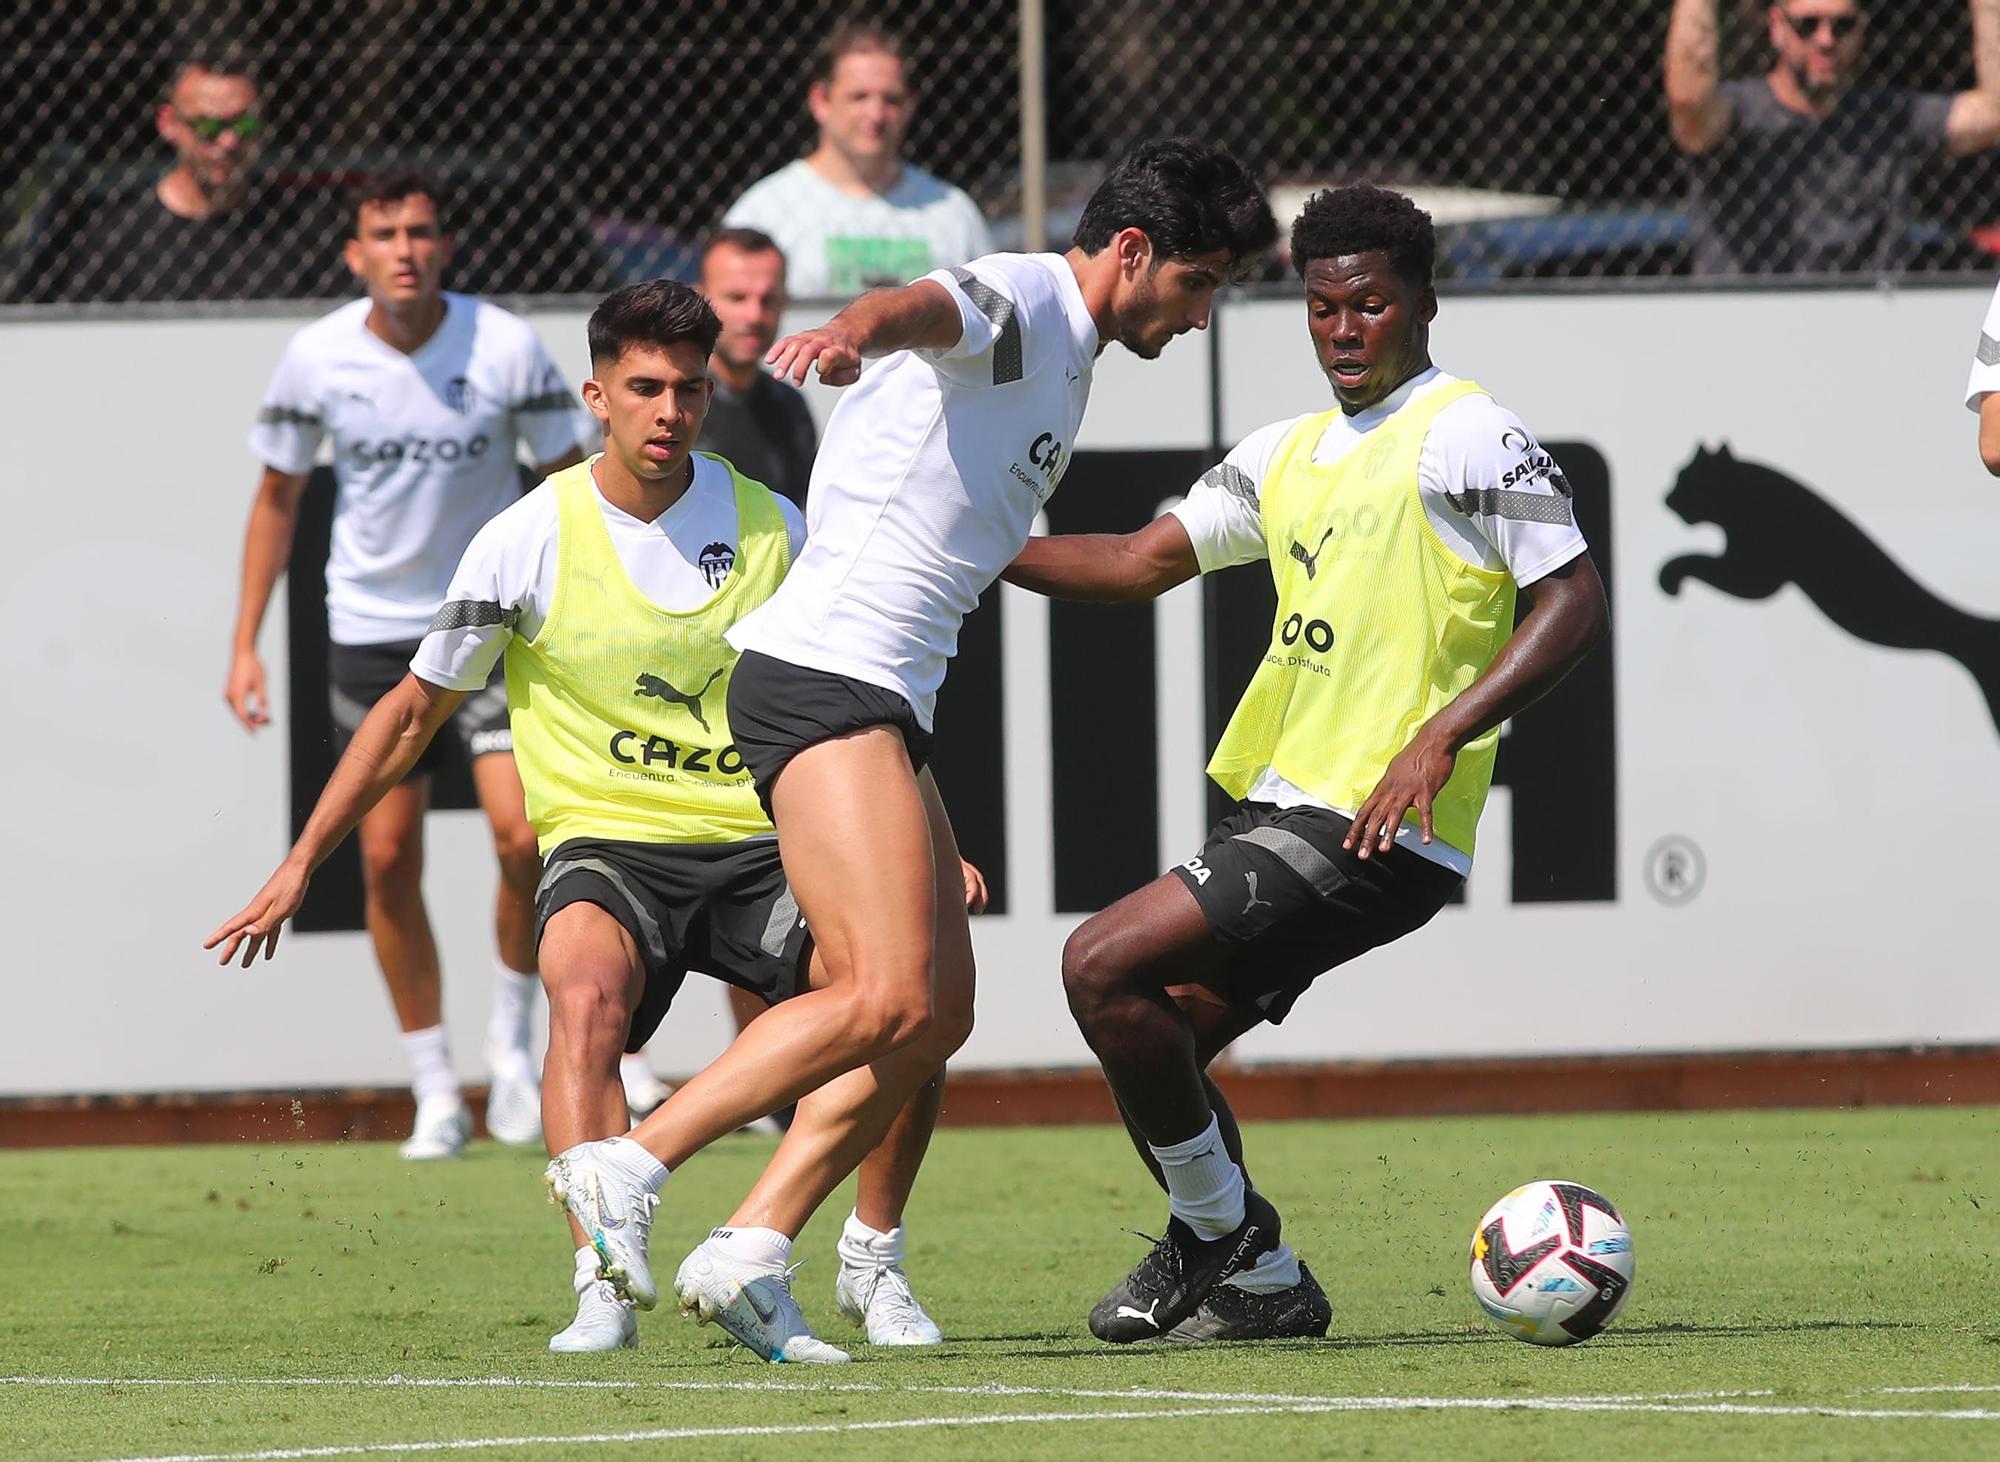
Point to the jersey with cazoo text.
(930, 473)
(424, 449)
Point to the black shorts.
(1289, 903)
(361, 675)
(778, 709)
(723, 909)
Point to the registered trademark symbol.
(1675, 870)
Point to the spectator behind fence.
(851, 214)
(755, 420)
(210, 229)
(1800, 171)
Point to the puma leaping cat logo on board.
(1311, 560)
(1779, 531)
(652, 685)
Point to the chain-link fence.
(585, 145)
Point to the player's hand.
(245, 690)
(839, 359)
(262, 918)
(975, 887)
(1413, 779)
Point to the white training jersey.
(838, 243)
(423, 449)
(931, 470)
(1985, 375)
(1494, 497)
(507, 579)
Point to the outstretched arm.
(1973, 124)
(1568, 617)
(1107, 568)
(385, 747)
(920, 316)
(1698, 114)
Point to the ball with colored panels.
(1552, 1263)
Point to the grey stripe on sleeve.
(1000, 310)
(287, 416)
(1522, 507)
(656, 942)
(547, 401)
(1298, 855)
(472, 613)
(1233, 480)
(1989, 349)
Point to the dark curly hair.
(1362, 217)
(657, 312)
(1188, 197)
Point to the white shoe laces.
(887, 1299)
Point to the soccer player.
(931, 471)
(758, 422)
(1397, 527)
(607, 592)
(425, 394)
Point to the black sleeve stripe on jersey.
(1989, 349)
(1000, 310)
(471, 614)
(286, 416)
(1522, 507)
(547, 401)
(1233, 480)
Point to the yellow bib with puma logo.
(618, 706)
(1379, 625)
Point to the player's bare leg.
(1119, 971)
(391, 839)
(857, 849)
(513, 1102)
(746, 1007)
(594, 977)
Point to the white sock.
(632, 1067)
(586, 1269)
(1204, 1185)
(513, 1003)
(765, 1248)
(635, 1162)
(866, 1247)
(1278, 1269)
(430, 1064)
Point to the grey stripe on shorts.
(656, 942)
(1298, 855)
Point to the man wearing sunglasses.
(1800, 170)
(210, 228)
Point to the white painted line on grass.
(1962, 1386)
(1323, 1405)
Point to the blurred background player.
(1397, 527)
(1800, 170)
(757, 422)
(852, 214)
(425, 395)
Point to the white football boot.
(603, 1320)
(877, 1297)
(442, 1129)
(616, 1212)
(754, 1305)
(514, 1100)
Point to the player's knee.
(586, 1013)
(1090, 971)
(892, 1019)
(520, 857)
(392, 868)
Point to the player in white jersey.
(1399, 526)
(1982, 386)
(426, 397)
(931, 471)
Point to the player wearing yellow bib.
(608, 591)
(1397, 529)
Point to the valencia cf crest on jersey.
(459, 395)
(715, 562)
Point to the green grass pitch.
(1810, 1284)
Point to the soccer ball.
(1552, 1263)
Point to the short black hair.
(749, 240)
(393, 187)
(1188, 197)
(1360, 218)
(656, 312)
(857, 34)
